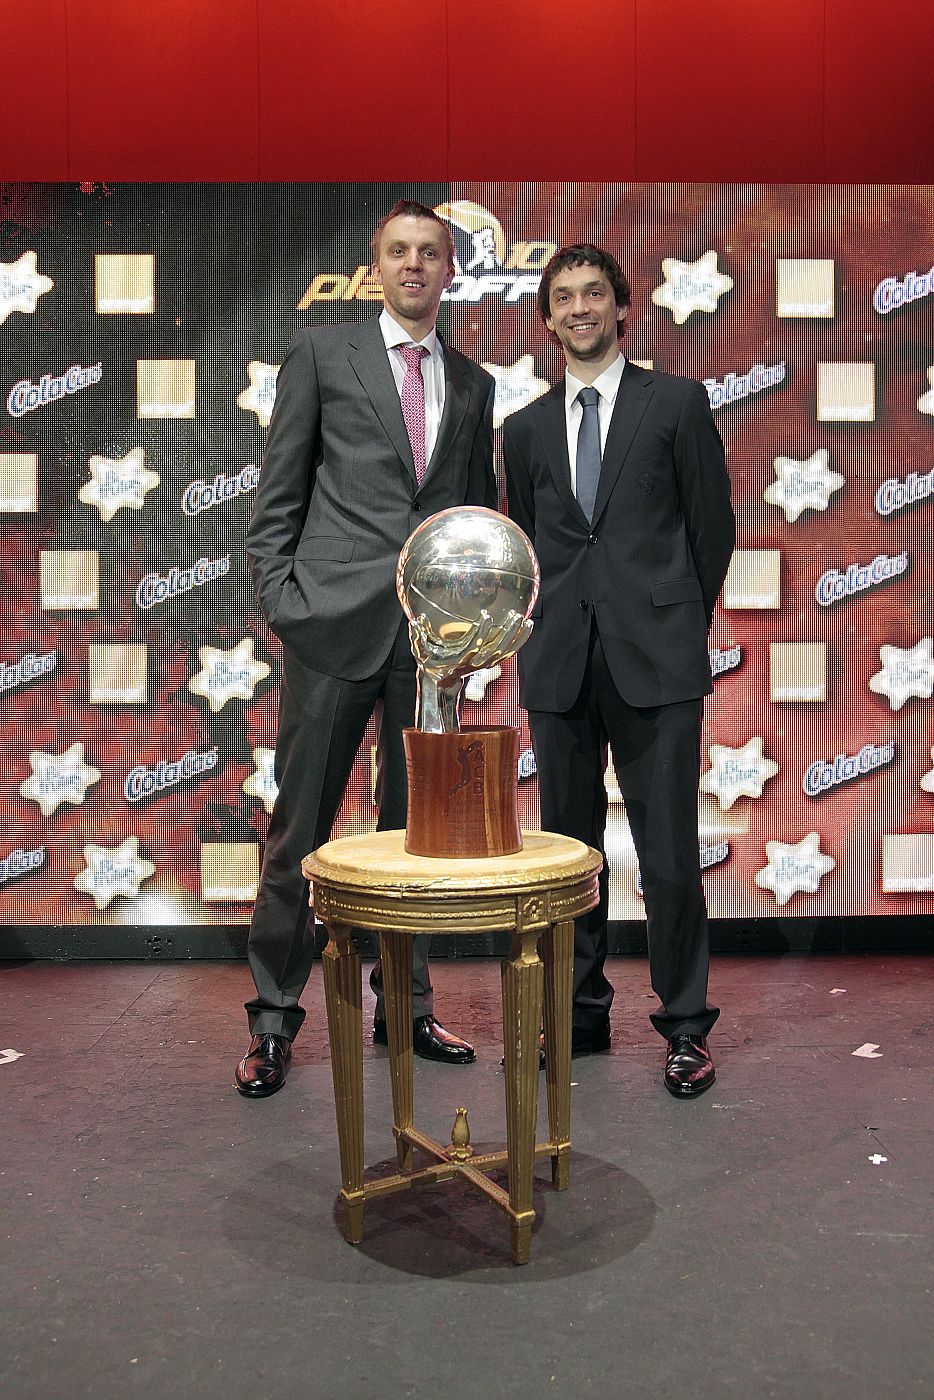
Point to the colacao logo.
(485, 265)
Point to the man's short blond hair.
(411, 209)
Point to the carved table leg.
(395, 951)
(522, 1016)
(557, 949)
(344, 1001)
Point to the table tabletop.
(378, 861)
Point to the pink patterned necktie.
(413, 404)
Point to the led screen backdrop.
(141, 328)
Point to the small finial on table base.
(461, 1150)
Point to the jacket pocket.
(325, 547)
(677, 590)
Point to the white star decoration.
(801, 486)
(117, 482)
(736, 773)
(21, 286)
(227, 675)
(926, 401)
(113, 870)
(794, 867)
(262, 782)
(477, 682)
(260, 395)
(927, 780)
(58, 778)
(690, 287)
(516, 386)
(905, 672)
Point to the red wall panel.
(832, 90)
(543, 92)
(729, 91)
(163, 91)
(352, 90)
(879, 92)
(34, 97)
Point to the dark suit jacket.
(654, 559)
(337, 495)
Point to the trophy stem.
(438, 707)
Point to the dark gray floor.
(165, 1237)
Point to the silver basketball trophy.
(467, 580)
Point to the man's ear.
(375, 275)
(450, 277)
(621, 313)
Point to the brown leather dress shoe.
(263, 1068)
(431, 1041)
(689, 1069)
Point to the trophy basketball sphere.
(467, 580)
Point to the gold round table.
(371, 882)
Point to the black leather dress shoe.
(263, 1068)
(689, 1069)
(583, 1042)
(541, 1052)
(431, 1041)
(590, 1041)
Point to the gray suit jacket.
(651, 565)
(338, 497)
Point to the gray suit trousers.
(322, 722)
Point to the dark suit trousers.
(322, 722)
(656, 752)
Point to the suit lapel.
(553, 431)
(456, 398)
(632, 399)
(370, 363)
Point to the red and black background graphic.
(233, 271)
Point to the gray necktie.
(588, 451)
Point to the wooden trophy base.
(463, 792)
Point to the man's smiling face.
(584, 314)
(414, 267)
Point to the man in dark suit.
(618, 477)
(376, 427)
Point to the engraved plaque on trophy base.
(463, 792)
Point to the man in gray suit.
(618, 477)
(376, 427)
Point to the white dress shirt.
(607, 386)
(432, 373)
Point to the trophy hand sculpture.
(444, 664)
(467, 580)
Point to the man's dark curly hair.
(583, 255)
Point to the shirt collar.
(394, 335)
(606, 384)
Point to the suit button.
(416, 505)
(584, 605)
(591, 539)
